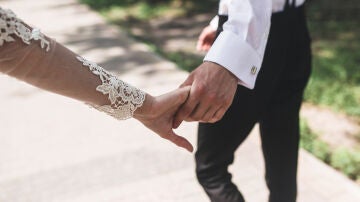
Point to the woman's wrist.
(146, 108)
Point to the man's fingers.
(200, 43)
(204, 45)
(218, 115)
(203, 35)
(179, 141)
(200, 111)
(207, 47)
(208, 117)
(199, 46)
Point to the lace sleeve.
(10, 25)
(123, 98)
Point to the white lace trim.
(11, 25)
(124, 98)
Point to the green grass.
(145, 9)
(121, 10)
(183, 60)
(311, 142)
(335, 31)
(140, 11)
(343, 159)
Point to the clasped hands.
(204, 96)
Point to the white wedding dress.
(27, 54)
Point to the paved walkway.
(56, 149)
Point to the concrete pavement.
(56, 149)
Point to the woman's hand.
(157, 114)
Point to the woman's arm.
(28, 55)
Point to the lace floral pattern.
(10, 25)
(124, 98)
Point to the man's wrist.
(222, 68)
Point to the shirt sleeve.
(241, 45)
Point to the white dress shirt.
(241, 45)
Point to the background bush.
(347, 161)
(198, 5)
(343, 159)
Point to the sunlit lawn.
(335, 31)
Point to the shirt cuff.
(236, 55)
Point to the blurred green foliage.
(183, 60)
(140, 11)
(335, 30)
(104, 4)
(190, 5)
(311, 142)
(345, 160)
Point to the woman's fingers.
(173, 99)
(183, 94)
(185, 110)
(179, 141)
(164, 108)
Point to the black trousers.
(274, 104)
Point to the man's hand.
(157, 114)
(212, 91)
(206, 39)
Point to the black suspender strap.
(222, 20)
(288, 6)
